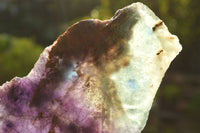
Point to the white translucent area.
(151, 53)
(70, 74)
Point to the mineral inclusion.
(97, 77)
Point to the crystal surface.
(97, 77)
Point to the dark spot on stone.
(14, 93)
(51, 131)
(9, 124)
(40, 115)
(88, 130)
(9, 127)
(17, 98)
(159, 52)
(157, 25)
(72, 128)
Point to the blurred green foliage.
(171, 92)
(17, 56)
(41, 19)
(177, 105)
(194, 107)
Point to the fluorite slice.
(97, 77)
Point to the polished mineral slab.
(98, 77)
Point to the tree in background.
(17, 56)
(41, 19)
